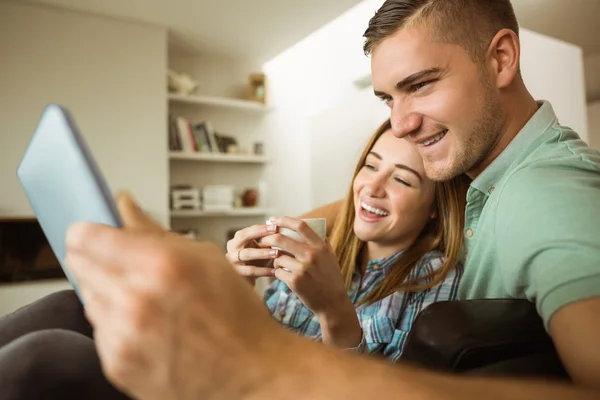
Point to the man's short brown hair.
(469, 23)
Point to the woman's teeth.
(374, 210)
(434, 139)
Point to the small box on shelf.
(218, 197)
(184, 197)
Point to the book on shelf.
(200, 137)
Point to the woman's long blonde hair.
(444, 233)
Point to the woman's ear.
(433, 214)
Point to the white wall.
(306, 79)
(593, 113)
(111, 75)
(337, 142)
(553, 71)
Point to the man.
(173, 320)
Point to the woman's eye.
(369, 166)
(402, 181)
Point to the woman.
(394, 249)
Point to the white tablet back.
(62, 181)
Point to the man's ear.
(133, 217)
(504, 52)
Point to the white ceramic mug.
(319, 225)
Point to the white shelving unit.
(212, 101)
(238, 118)
(217, 157)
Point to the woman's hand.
(311, 270)
(250, 258)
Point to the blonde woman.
(394, 248)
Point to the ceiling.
(256, 29)
(573, 21)
(260, 29)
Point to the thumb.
(132, 215)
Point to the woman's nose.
(376, 187)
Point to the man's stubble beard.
(476, 145)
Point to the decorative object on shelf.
(259, 148)
(217, 198)
(227, 144)
(181, 83)
(238, 202)
(185, 197)
(250, 198)
(257, 87)
(232, 149)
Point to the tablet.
(62, 181)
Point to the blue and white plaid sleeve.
(383, 334)
(272, 294)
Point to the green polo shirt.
(532, 228)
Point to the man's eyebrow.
(409, 80)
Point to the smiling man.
(449, 72)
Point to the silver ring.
(238, 255)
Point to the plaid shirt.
(387, 322)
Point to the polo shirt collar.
(543, 119)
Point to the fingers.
(84, 236)
(109, 248)
(250, 271)
(287, 269)
(97, 287)
(299, 226)
(285, 243)
(243, 236)
(250, 254)
(287, 264)
(133, 216)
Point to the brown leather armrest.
(493, 335)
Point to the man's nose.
(404, 124)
